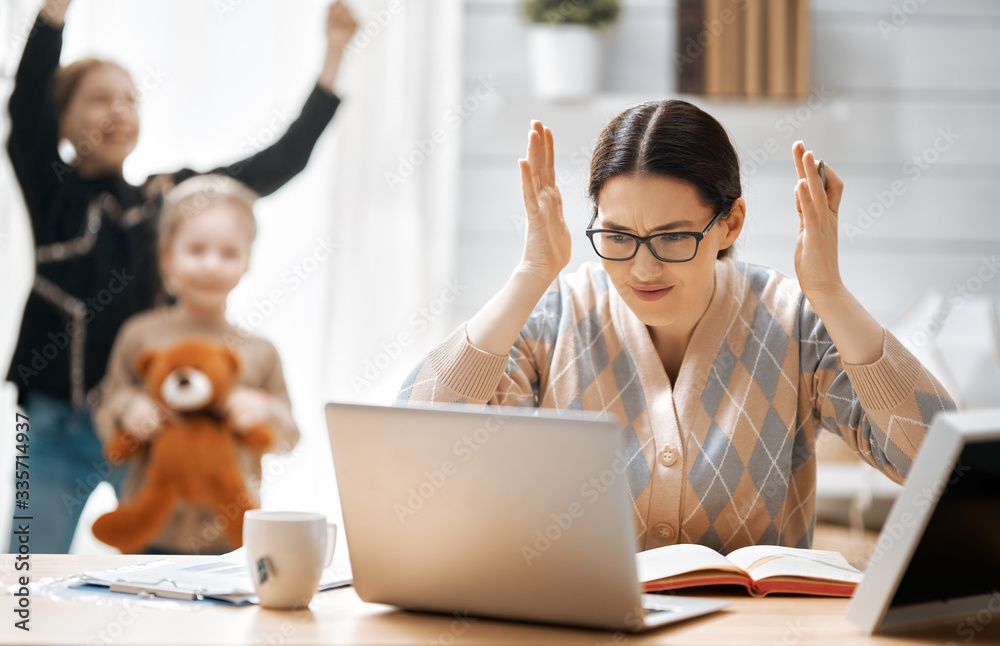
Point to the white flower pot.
(565, 60)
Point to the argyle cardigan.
(725, 456)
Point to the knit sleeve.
(458, 372)
(281, 420)
(271, 168)
(121, 384)
(882, 410)
(34, 125)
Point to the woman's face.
(101, 121)
(664, 293)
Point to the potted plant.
(565, 42)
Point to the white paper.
(224, 578)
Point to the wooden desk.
(340, 617)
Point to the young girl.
(96, 251)
(722, 373)
(206, 230)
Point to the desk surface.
(340, 617)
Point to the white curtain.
(395, 193)
(221, 80)
(395, 190)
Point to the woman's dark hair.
(69, 76)
(671, 139)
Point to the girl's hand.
(248, 407)
(340, 26)
(142, 418)
(54, 12)
(816, 261)
(547, 243)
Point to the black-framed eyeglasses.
(673, 246)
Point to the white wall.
(879, 101)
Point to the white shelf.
(843, 481)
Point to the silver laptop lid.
(514, 515)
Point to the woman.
(96, 245)
(721, 373)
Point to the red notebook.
(761, 569)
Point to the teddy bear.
(193, 456)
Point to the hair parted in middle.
(670, 138)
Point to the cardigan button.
(668, 456)
(664, 531)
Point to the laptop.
(937, 558)
(494, 513)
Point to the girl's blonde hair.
(195, 195)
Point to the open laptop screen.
(959, 552)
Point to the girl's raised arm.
(340, 26)
(54, 12)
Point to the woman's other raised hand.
(495, 327)
(547, 243)
(816, 261)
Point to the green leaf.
(594, 13)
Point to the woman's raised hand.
(547, 243)
(495, 327)
(857, 336)
(816, 262)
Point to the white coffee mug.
(286, 553)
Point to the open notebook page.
(672, 560)
(762, 561)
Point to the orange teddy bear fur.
(193, 455)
